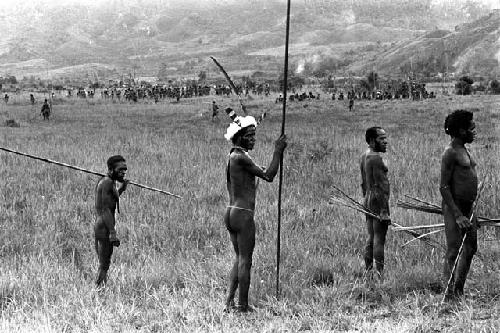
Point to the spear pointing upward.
(231, 84)
(85, 170)
(285, 86)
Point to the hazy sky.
(32, 3)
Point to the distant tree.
(293, 80)
(495, 87)
(12, 79)
(372, 80)
(474, 9)
(365, 85)
(464, 86)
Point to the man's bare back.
(241, 173)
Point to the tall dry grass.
(170, 272)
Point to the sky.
(492, 3)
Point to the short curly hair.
(457, 120)
(113, 160)
(372, 133)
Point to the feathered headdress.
(238, 123)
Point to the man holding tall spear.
(459, 189)
(241, 171)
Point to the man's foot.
(452, 297)
(379, 277)
(230, 307)
(244, 308)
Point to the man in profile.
(241, 172)
(376, 190)
(459, 187)
(107, 198)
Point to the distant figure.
(215, 110)
(32, 99)
(351, 103)
(6, 98)
(45, 110)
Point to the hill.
(135, 37)
(473, 48)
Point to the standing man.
(376, 190)
(45, 110)
(239, 217)
(458, 188)
(351, 103)
(106, 201)
(215, 110)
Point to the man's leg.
(233, 275)
(246, 244)
(369, 244)
(380, 232)
(453, 241)
(104, 250)
(463, 266)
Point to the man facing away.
(241, 172)
(376, 190)
(106, 202)
(458, 189)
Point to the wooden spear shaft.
(280, 186)
(46, 160)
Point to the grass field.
(170, 272)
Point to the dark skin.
(107, 197)
(458, 187)
(239, 216)
(375, 187)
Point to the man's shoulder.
(238, 155)
(105, 182)
(373, 156)
(450, 152)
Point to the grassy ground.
(170, 272)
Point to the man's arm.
(106, 202)
(123, 187)
(267, 174)
(363, 177)
(448, 162)
(376, 178)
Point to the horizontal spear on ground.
(345, 200)
(86, 171)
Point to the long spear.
(85, 170)
(280, 187)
